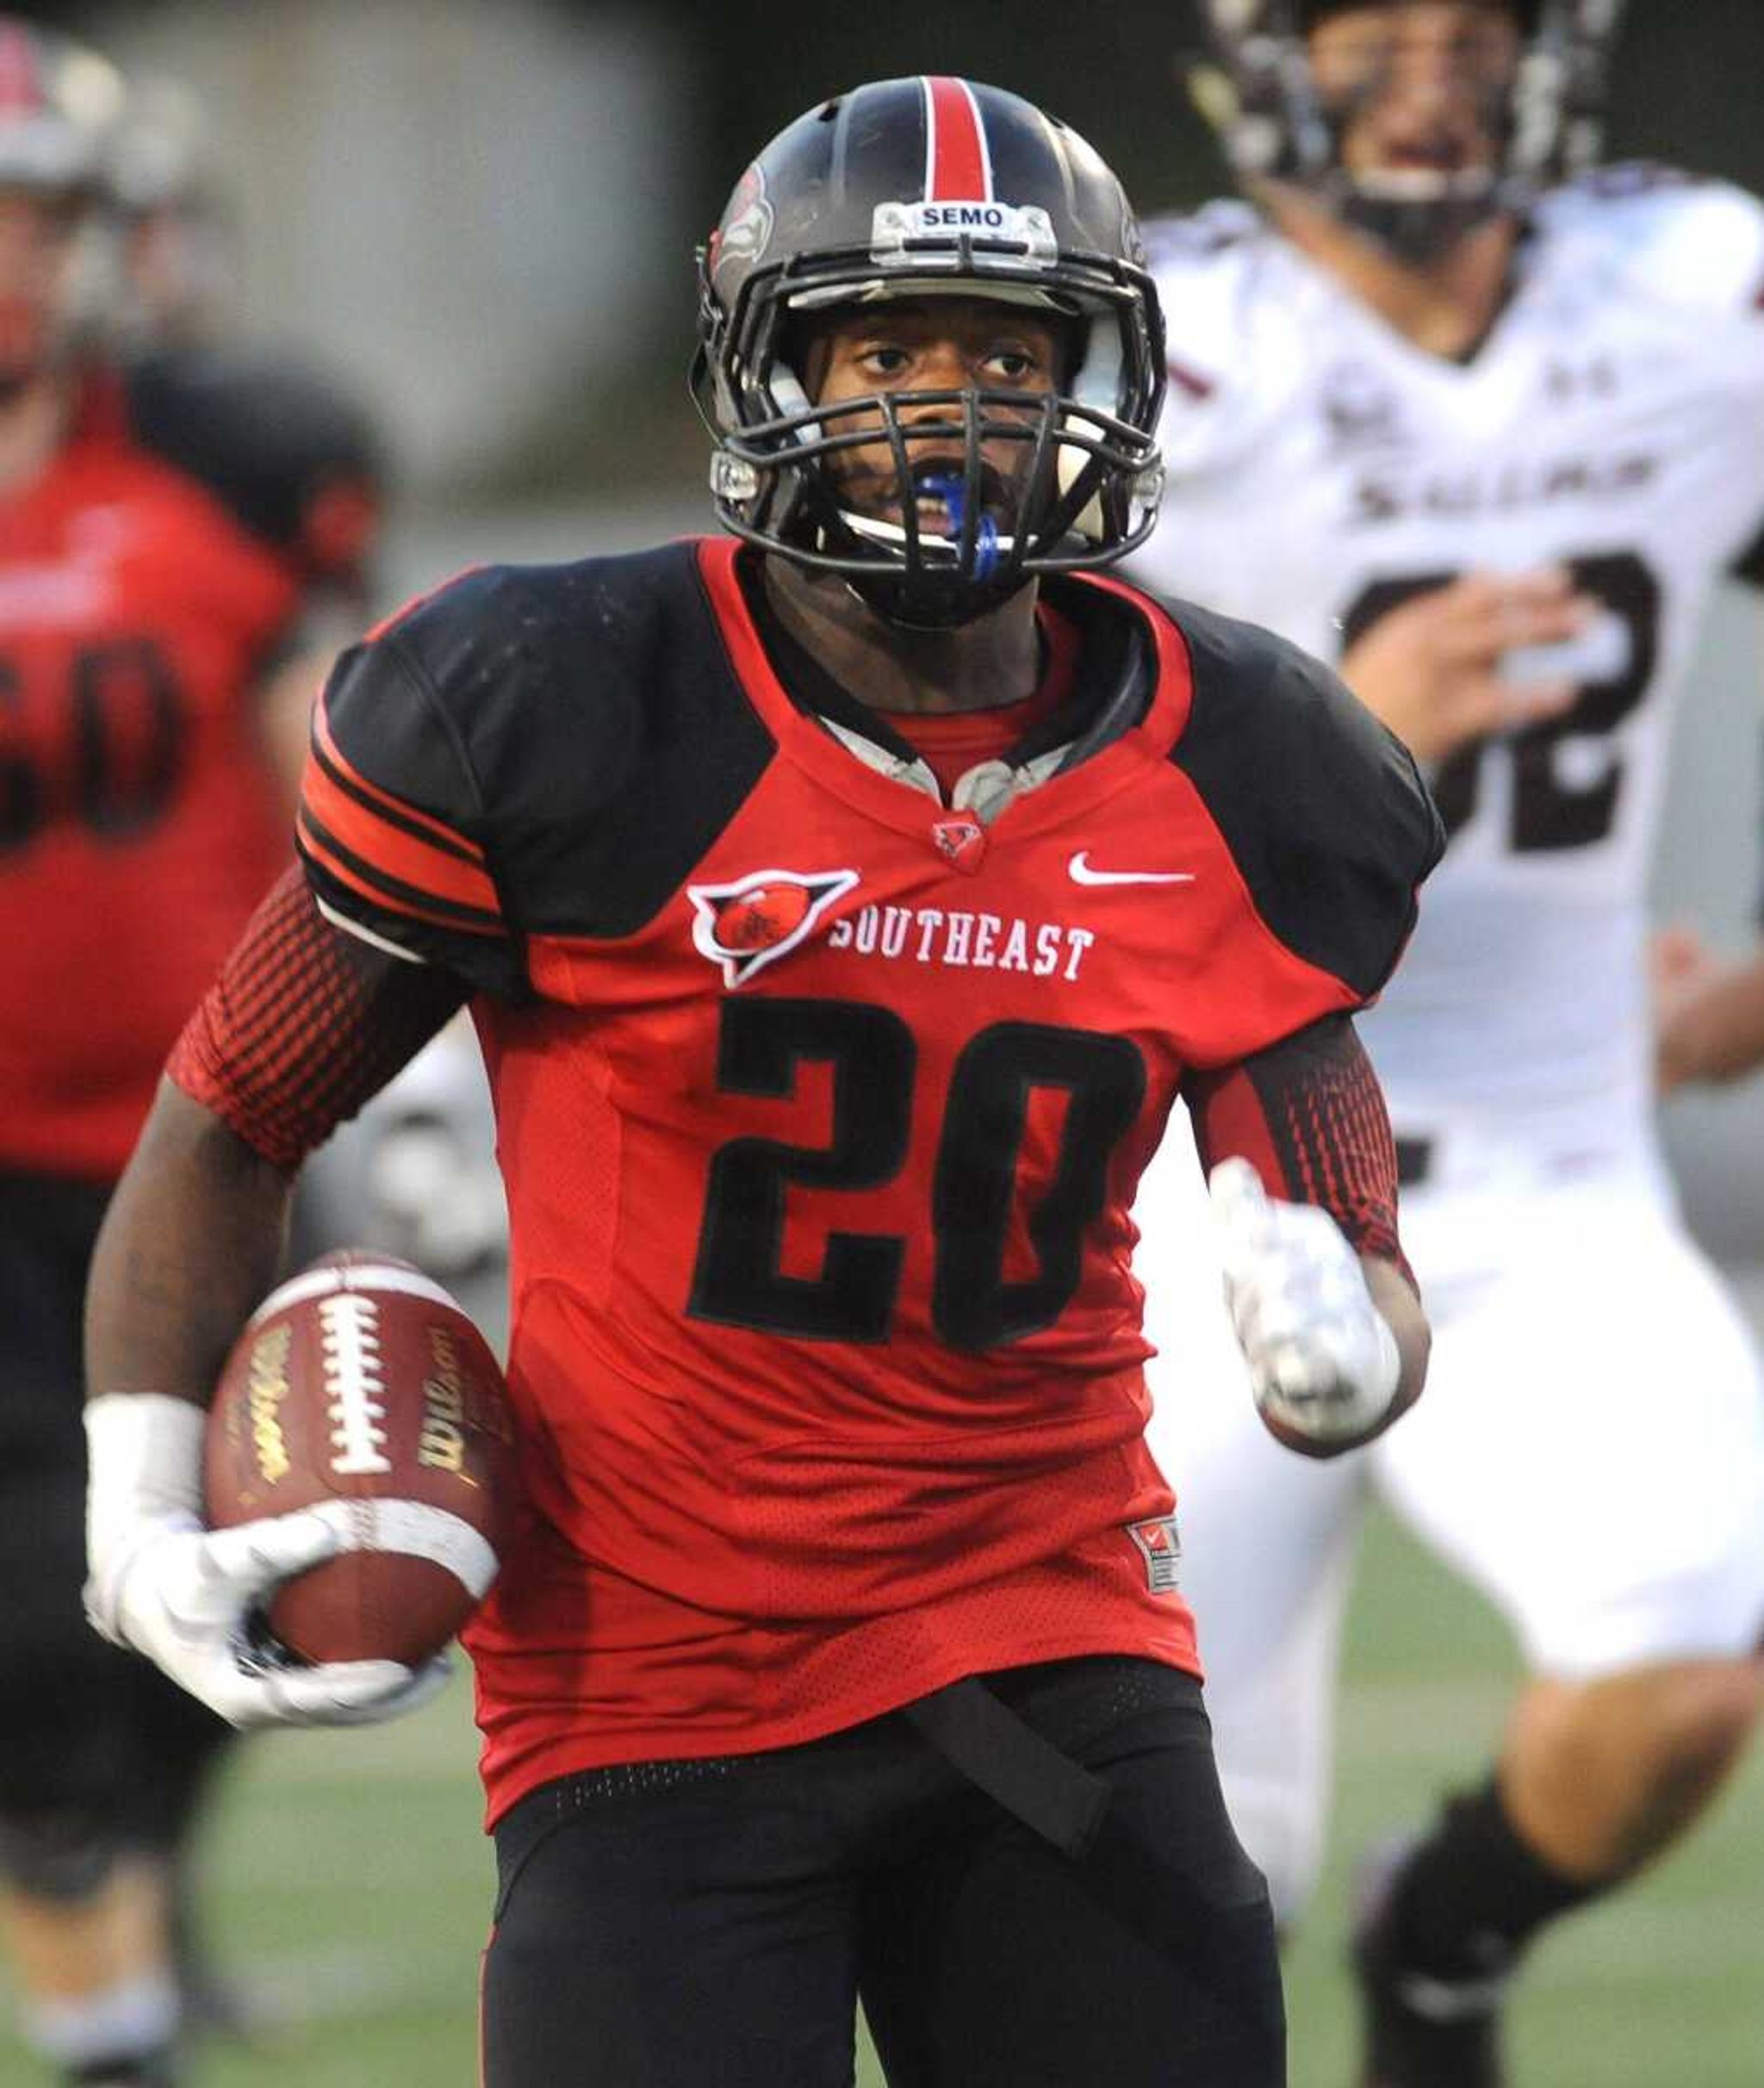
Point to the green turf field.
(351, 1887)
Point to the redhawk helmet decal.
(60, 107)
(746, 230)
(744, 926)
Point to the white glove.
(160, 1583)
(1324, 1364)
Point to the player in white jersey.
(1486, 430)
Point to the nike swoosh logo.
(1082, 873)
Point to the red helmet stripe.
(21, 91)
(957, 166)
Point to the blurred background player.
(283, 445)
(178, 241)
(1485, 424)
(416, 1173)
(169, 521)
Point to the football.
(360, 1381)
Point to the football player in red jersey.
(841, 909)
(148, 592)
(297, 461)
(281, 444)
(285, 443)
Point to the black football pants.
(98, 1750)
(714, 1924)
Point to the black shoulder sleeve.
(531, 751)
(608, 733)
(294, 460)
(393, 827)
(1323, 810)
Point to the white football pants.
(1589, 1454)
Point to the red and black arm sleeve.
(304, 1025)
(1308, 1114)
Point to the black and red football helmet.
(60, 107)
(915, 189)
(60, 104)
(1255, 88)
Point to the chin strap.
(1418, 231)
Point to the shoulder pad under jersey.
(1670, 238)
(1236, 348)
(293, 458)
(1323, 810)
(561, 744)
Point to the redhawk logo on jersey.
(760, 916)
(955, 837)
(1161, 1549)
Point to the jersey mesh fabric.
(1308, 1113)
(820, 1126)
(303, 1025)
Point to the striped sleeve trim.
(338, 766)
(388, 853)
(366, 881)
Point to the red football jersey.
(137, 826)
(821, 1106)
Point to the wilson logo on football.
(764, 915)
